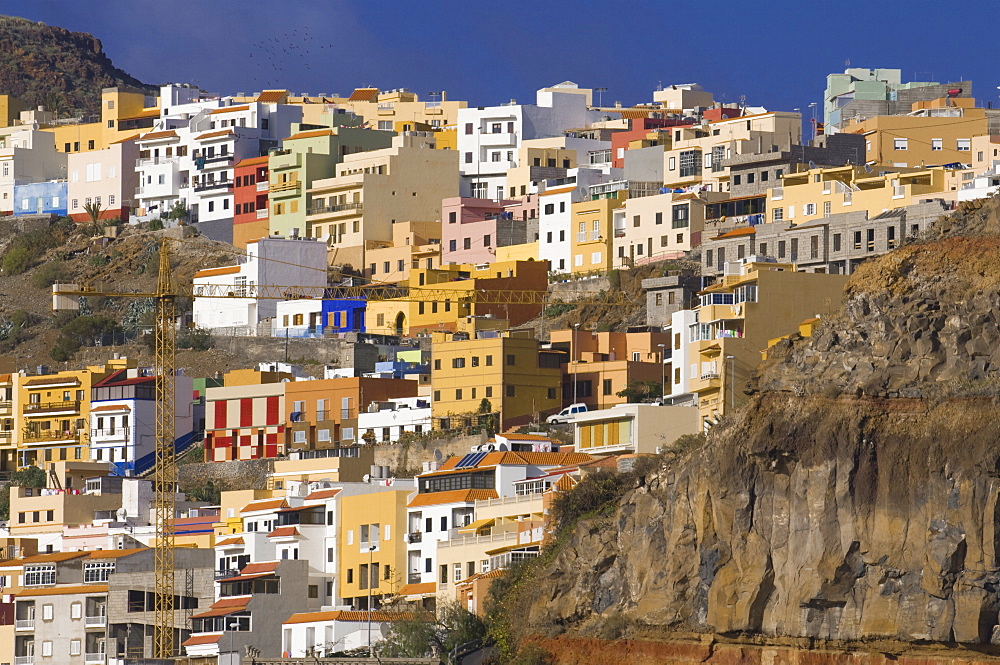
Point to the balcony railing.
(709, 376)
(415, 536)
(154, 161)
(222, 158)
(262, 185)
(95, 658)
(285, 186)
(6, 405)
(24, 624)
(262, 213)
(219, 184)
(413, 578)
(96, 621)
(116, 432)
(46, 407)
(24, 660)
(222, 574)
(320, 210)
(52, 435)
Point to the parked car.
(567, 414)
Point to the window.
(458, 393)
(510, 391)
(836, 242)
(39, 575)
(964, 144)
(468, 128)
(672, 163)
(937, 144)
(750, 178)
(437, 363)
(47, 644)
(550, 208)
(46, 613)
(809, 209)
(489, 391)
(777, 214)
(98, 571)
(467, 243)
(826, 208)
(900, 144)
(680, 219)
(857, 240)
(659, 218)
(606, 387)
(763, 176)
(74, 645)
(76, 611)
(737, 179)
(511, 359)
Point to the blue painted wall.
(40, 197)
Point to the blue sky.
(775, 52)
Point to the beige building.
(738, 316)
(643, 429)
(383, 109)
(936, 133)
(663, 226)
(696, 155)
(815, 194)
(356, 210)
(414, 245)
(106, 177)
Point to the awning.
(220, 612)
(477, 525)
(244, 578)
(511, 548)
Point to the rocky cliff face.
(856, 495)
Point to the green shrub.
(559, 308)
(155, 224)
(196, 339)
(98, 260)
(49, 273)
(16, 261)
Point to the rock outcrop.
(855, 497)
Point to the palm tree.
(94, 212)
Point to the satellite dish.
(366, 478)
(437, 455)
(121, 513)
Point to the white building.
(325, 633)
(271, 261)
(298, 318)
(388, 420)
(123, 420)
(27, 155)
(555, 212)
(489, 137)
(680, 371)
(190, 153)
(643, 429)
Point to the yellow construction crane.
(66, 297)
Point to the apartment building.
(386, 109)
(555, 213)
(27, 155)
(508, 370)
(304, 158)
(837, 244)
(414, 246)
(373, 547)
(815, 194)
(659, 227)
(591, 243)
(251, 212)
(602, 364)
(626, 429)
(105, 178)
(737, 317)
(356, 210)
(489, 138)
(472, 230)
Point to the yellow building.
(414, 246)
(124, 114)
(405, 317)
(592, 235)
(534, 157)
(737, 317)
(938, 132)
(52, 413)
(384, 109)
(372, 548)
(524, 252)
(10, 110)
(510, 371)
(818, 193)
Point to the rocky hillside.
(63, 70)
(856, 496)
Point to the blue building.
(41, 198)
(344, 315)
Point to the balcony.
(217, 160)
(709, 376)
(262, 185)
(223, 574)
(291, 186)
(6, 405)
(110, 433)
(52, 408)
(213, 185)
(24, 660)
(342, 207)
(413, 578)
(24, 624)
(262, 213)
(95, 658)
(497, 139)
(415, 537)
(51, 436)
(155, 161)
(96, 622)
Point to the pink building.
(472, 229)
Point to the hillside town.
(443, 249)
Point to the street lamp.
(663, 375)
(575, 353)
(812, 105)
(231, 627)
(732, 382)
(600, 95)
(371, 553)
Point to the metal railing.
(24, 624)
(71, 405)
(263, 185)
(218, 184)
(96, 621)
(117, 432)
(262, 213)
(95, 658)
(320, 210)
(415, 536)
(24, 660)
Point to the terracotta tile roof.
(322, 494)
(253, 160)
(220, 612)
(271, 96)
(566, 483)
(126, 139)
(310, 134)
(212, 272)
(260, 568)
(52, 557)
(207, 638)
(147, 113)
(53, 380)
(264, 504)
(560, 190)
(418, 589)
(64, 590)
(283, 532)
(230, 109)
(515, 458)
(482, 576)
(632, 114)
(230, 601)
(213, 135)
(346, 615)
(451, 496)
(115, 554)
(363, 95)
(230, 541)
(736, 233)
(111, 407)
(526, 437)
(156, 136)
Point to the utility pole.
(575, 353)
(371, 554)
(732, 382)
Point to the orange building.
(251, 214)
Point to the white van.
(567, 414)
